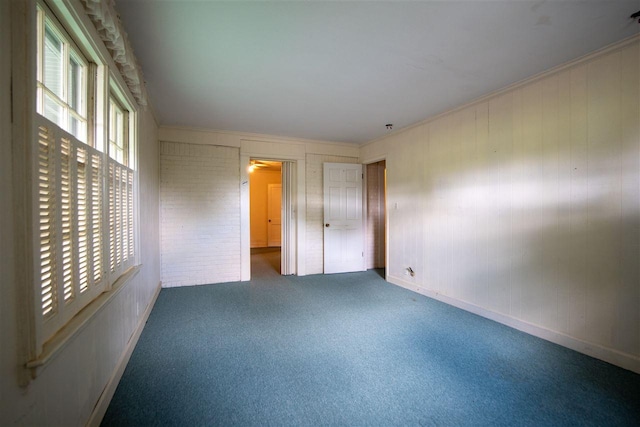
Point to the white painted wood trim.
(78, 322)
(245, 220)
(289, 222)
(365, 219)
(23, 107)
(300, 208)
(178, 133)
(107, 394)
(73, 15)
(299, 205)
(374, 159)
(623, 360)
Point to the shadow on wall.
(545, 240)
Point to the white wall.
(67, 389)
(8, 327)
(200, 218)
(525, 207)
(309, 156)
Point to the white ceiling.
(339, 71)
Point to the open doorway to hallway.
(265, 208)
(376, 216)
(265, 262)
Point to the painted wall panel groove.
(528, 204)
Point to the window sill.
(60, 340)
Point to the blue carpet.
(351, 349)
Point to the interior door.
(343, 220)
(274, 212)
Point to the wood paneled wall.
(525, 207)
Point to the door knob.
(327, 225)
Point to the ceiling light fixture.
(389, 126)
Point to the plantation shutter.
(81, 202)
(121, 244)
(46, 208)
(69, 230)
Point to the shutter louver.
(66, 220)
(83, 220)
(130, 213)
(46, 221)
(125, 214)
(112, 217)
(118, 207)
(96, 217)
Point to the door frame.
(296, 232)
(365, 206)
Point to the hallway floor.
(265, 262)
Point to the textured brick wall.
(200, 214)
(315, 212)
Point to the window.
(121, 177)
(117, 132)
(62, 79)
(70, 234)
(83, 197)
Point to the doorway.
(265, 212)
(274, 215)
(375, 231)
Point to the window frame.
(43, 338)
(127, 239)
(115, 105)
(47, 19)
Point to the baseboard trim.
(105, 398)
(623, 360)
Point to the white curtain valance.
(106, 20)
